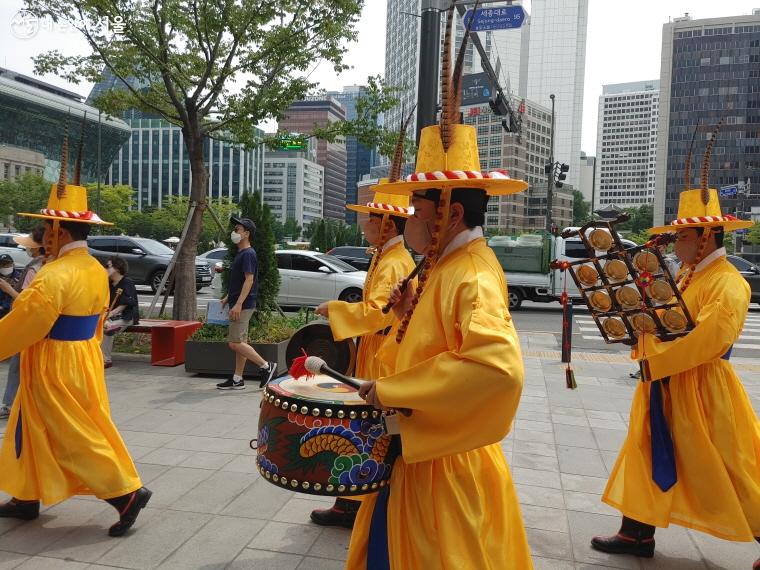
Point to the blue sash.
(72, 328)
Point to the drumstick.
(405, 283)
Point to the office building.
(710, 70)
(587, 175)
(16, 162)
(301, 117)
(293, 186)
(626, 144)
(556, 65)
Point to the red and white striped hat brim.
(439, 175)
(73, 216)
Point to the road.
(543, 318)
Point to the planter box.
(216, 358)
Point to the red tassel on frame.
(298, 368)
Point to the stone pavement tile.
(213, 494)
(332, 543)
(722, 554)
(607, 424)
(42, 563)
(89, 541)
(35, 536)
(534, 403)
(149, 472)
(540, 496)
(602, 415)
(184, 422)
(536, 477)
(242, 464)
(584, 526)
(155, 540)
(575, 436)
(261, 500)
(224, 425)
(569, 411)
(9, 560)
(675, 550)
(175, 482)
(149, 421)
(540, 563)
(296, 510)
(138, 451)
(569, 420)
(286, 537)
(148, 439)
(609, 439)
(544, 518)
(215, 444)
(208, 460)
(606, 398)
(535, 425)
(533, 416)
(587, 503)
(532, 461)
(549, 544)
(251, 559)
(535, 448)
(507, 446)
(215, 545)
(609, 458)
(532, 435)
(122, 414)
(8, 524)
(165, 456)
(310, 563)
(583, 483)
(580, 461)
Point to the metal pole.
(430, 48)
(97, 193)
(550, 175)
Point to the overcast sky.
(623, 44)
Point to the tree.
(115, 206)
(641, 219)
(292, 229)
(581, 209)
(186, 55)
(26, 193)
(320, 239)
(753, 234)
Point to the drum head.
(317, 340)
(322, 389)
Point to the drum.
(317, 340)
(317, 436)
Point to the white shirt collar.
(391, 242)
(72, 245)
(720, 252)
(461, 239)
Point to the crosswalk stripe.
(752, 346)
(748, 337)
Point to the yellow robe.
(365, 319)
(70, 445)
(452, 503)
(715, 432)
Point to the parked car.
(356, 256)
(147, 259)
(19, 255)
(212, 256)
(751, 273)
(308, 278)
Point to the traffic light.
(548, 168)
(560, 176)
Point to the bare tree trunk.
(185, 304)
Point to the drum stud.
(305, 485)
(271, 399)
(283, 480)
(293, 483)
(375, 413)
(382, 483)
(330, 488)
(352, 415)
(276, 477)
(267, 474)
(365, 487)
(317, 487)
(341, 488)
(277, 402)
(353, 488)
(328, 413)
(315, 412)
(304, 410)
(294, 407)
(284, 405)
(374, 485)
(341, 413)
(364, 415)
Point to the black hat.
(5, 258)
(247, 223)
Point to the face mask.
(235, 237)
(110, 271)
(6, 271)
(417, 235)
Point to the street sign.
(292, 141)
(503, 18)
(476, 89)
(728, 191)
(740, 232)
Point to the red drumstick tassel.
(570, 378)
(298, 367)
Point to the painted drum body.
(317, 436)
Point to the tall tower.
(557, 64)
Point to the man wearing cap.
(692, 454)
(8, 278)
(391, 263)
(241, 297)
(60, 440)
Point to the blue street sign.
(503, 18)
(740, 232)
(727, 191)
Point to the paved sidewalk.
(210, 509)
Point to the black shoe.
(128, 515)
(24, 510)
(622, 544)
(342, 513)
(267, 373)
(231, 385)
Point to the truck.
(526, 259)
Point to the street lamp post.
(550, 175)
(430, 47)
(97, 194)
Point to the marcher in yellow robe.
(366, 320)
(60, 439)
(715, 487)
(451, 503)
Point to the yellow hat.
(458, 167)
(70, 206)
(383, 203)
(694, 213)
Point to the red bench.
(167, 339)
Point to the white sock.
(265, 366)
(236, 378)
